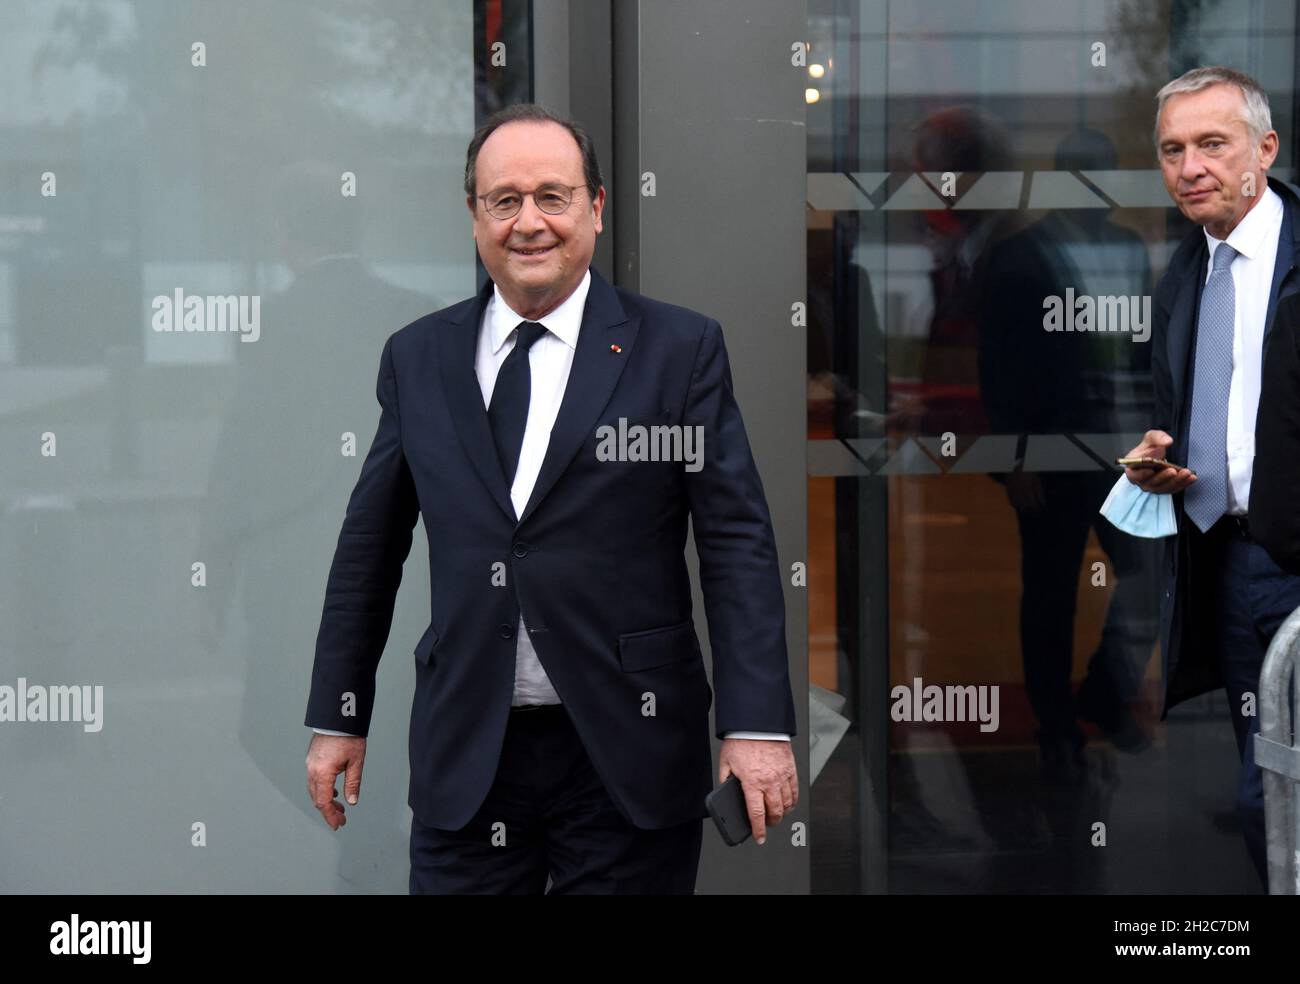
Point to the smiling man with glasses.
(560, 726)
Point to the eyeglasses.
(553, 199)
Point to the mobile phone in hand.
(726, 805)
(1155, 464)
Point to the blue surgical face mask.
(1138, 512)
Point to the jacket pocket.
(641, 420)
(657, 647)
(424, 648)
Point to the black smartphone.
(726, 805)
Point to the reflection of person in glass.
(1054, 384)
(277, 476)
(967, 142)
(1224, 596)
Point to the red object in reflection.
(492, 22)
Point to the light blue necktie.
(1206, 499)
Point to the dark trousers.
(548, 813)
(1052, 542)
(1253, 596)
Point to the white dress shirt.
(549, 361)
(1255, 238)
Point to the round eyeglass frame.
(523, 194)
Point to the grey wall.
(705, 97)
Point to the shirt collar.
(1252, 233)
(563, 322)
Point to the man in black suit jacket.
(556, 433)
(1275, 503)
(1224, 597)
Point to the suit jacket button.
(507, 630)
(521, 550)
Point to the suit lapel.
(458, 343)
(1183, 317)
(596, 370)
(1181, 323)
(1286, 254)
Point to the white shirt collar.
(563, 322)
(1253, 232)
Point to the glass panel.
(211, 218)
(965, 162)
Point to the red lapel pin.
(616, 348)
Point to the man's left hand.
(766, 770)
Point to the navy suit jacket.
(1275, 481)
(1191, 660)
(595, 563)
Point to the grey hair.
(1257, 117)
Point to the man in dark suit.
(561, 712)
(1224, 596)
(1275, 503)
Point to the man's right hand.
(327, 756)
(1160, 480)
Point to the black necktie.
(508, 411)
